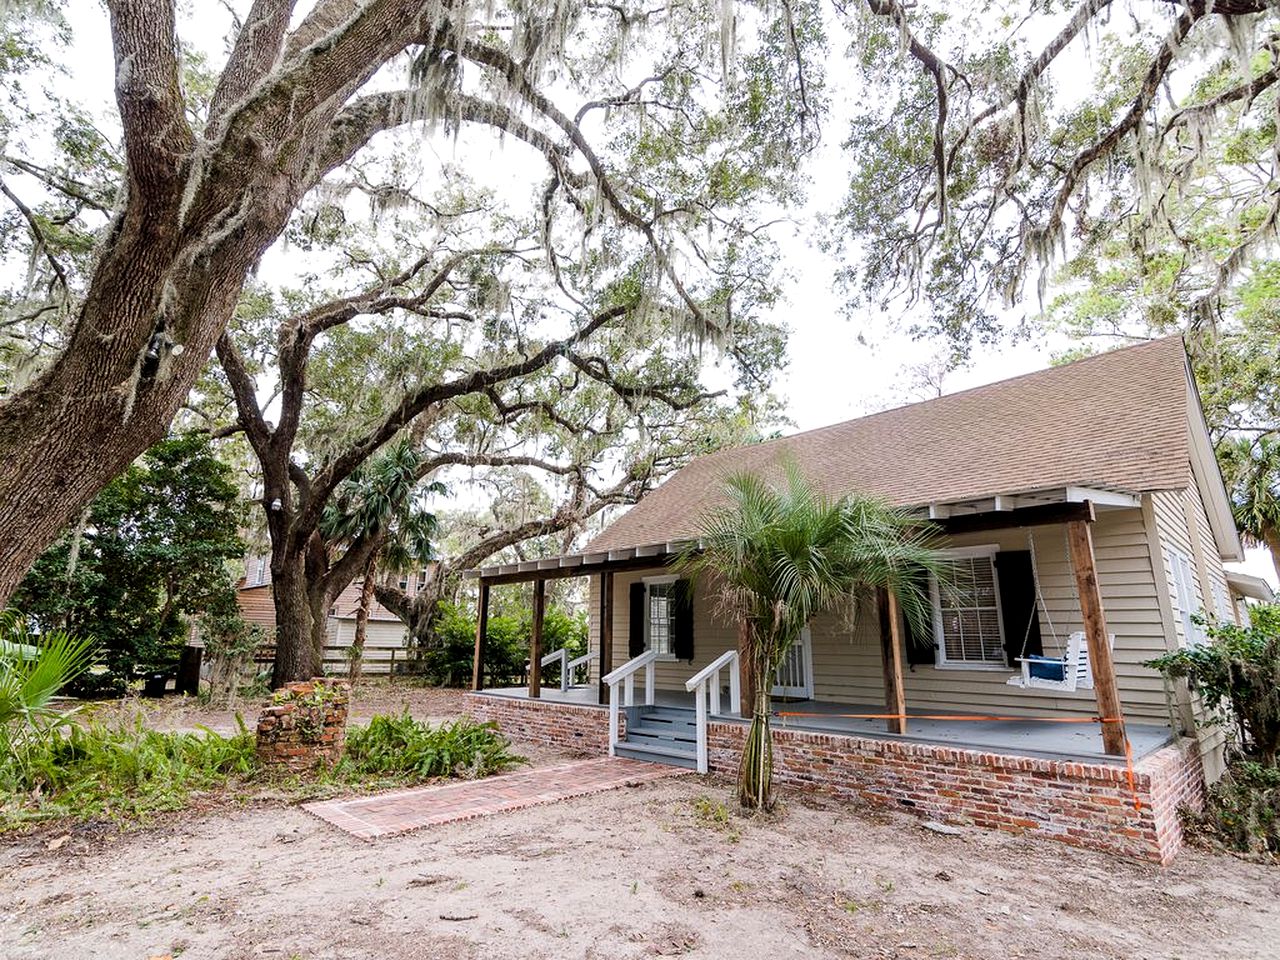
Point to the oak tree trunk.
(295, 653)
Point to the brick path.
(390, 813)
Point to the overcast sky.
(840, 366)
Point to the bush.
(448, 661)
(129, 774)
(120, 774)
(400, 746)
(1238, 673)
(1243, 809)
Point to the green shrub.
(1238, 673)
(400, 746)
(1243, 809)
(448, 661)
(120, 774)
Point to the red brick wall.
(576, 726)
(1083, 804)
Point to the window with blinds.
(966, 603)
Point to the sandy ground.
(646, 871)
(371, 696)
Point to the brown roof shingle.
(1117, 420)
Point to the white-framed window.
(422, 580)
(404, 583)
(260, 576)
(1184, 592)
(967, 625)
(1223, 602)
(659, 610)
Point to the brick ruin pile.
(306, 724)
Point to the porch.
(964, 730)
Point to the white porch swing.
(1068, 672)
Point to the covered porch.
(1096, 731)
(1022, 736)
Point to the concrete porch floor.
(1022, 738)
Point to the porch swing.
(1069, 672)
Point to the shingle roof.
(1117, 421)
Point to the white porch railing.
(626, 675)
(706, 683)
(567, 666)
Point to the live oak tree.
(130, 289)
(996, 142)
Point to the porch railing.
(567, 666)
(626, 675)
(705, 685)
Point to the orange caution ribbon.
(1130, 776)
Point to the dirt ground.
(370, 697)
(658, 870)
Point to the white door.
(795, 672)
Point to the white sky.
(840, 367)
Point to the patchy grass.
(129, 774)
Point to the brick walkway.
(390, 813)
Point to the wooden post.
(482, 628)
(535, 638)
(606, 632)
(746, 683)
(1080, 546)
(895, 700)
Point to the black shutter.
(921, 646)
(635, 639)
(1018, 612)
(682, 620)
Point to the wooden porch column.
(606, 632)
(895, 700)
(482, 628)
(746, 682)
(1080, 546)
(535, 638)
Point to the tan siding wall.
(846, 657)
(1176, 513)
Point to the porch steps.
(661, 735)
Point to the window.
(422, 580)
(404, 582)
(261, 575)
(966, 610)
(659, 608)
(1223, 603)
(1184, 591)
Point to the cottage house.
(1085, 521)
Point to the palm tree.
(33, 668)
(1252, 471)
(782, 555)
(380, 509)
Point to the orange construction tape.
(1128, 747)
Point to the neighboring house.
(1086, 522)
(1246, 590)
(386, 635)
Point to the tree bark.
(295, 654)
(1272, 540)
(362, 619)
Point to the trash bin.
(154, 684)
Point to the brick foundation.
(573, 725)
(1084, 804)
(305, 725)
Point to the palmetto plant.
(32, 671)
(782, 554)
(380, 509)
(1252, 471)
